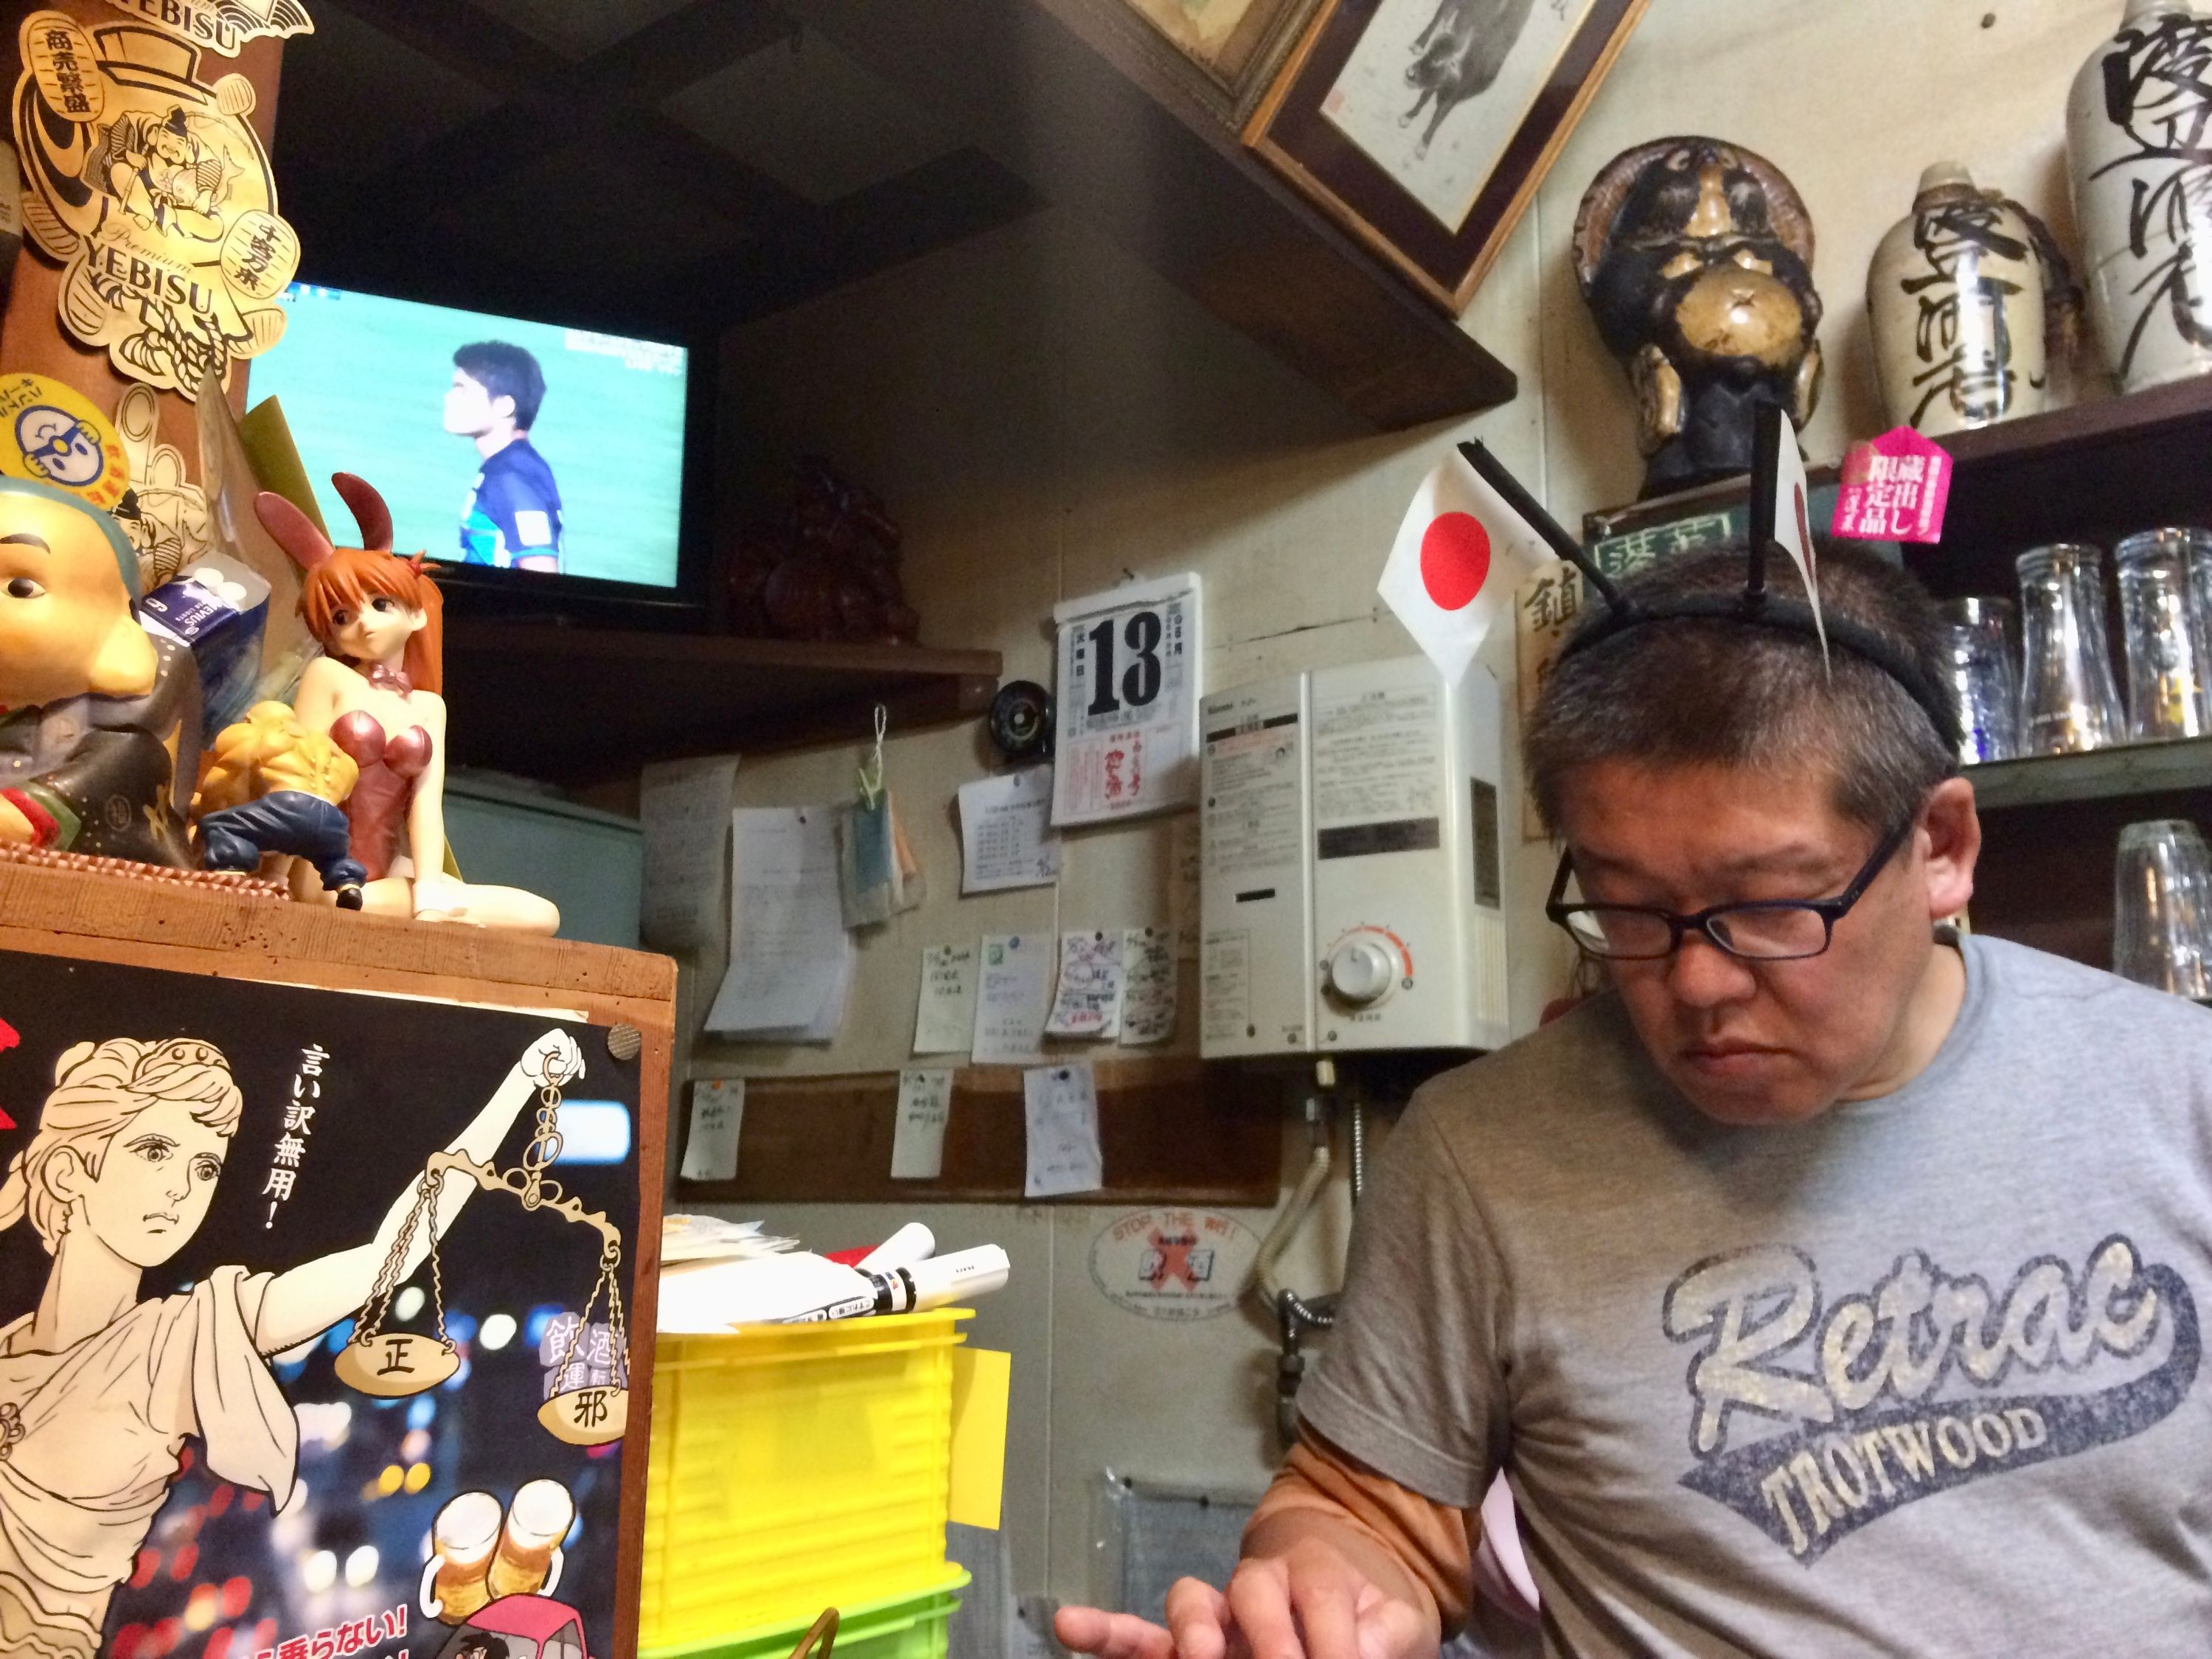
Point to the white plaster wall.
(1042, 414)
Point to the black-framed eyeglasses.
(1758, 930)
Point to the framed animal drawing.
(1425, 126)
(326, 1268)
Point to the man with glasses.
(1827, 1286)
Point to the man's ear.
(503, 408)
(1953, 835)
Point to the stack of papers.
(710, 1238)
(791, 959)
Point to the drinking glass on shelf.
(2163, 907)
(2199, 559)
(2068, 701)
(1980, 672)
(1999, 617)
(2167, 693)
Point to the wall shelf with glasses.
(2092, 472)
(2143, 768)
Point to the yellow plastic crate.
(897, 1627)
(795, 1467)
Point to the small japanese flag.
(1460, 554)
(1778, 506)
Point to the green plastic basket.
(898, 1627)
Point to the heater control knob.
(1361, 970)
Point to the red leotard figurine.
(375, 692)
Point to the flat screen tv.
(539, 461)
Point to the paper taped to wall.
(683, 807)
(791, 959)
(1060, 1109)
(1088, 1003)
(1148, 985)
(944, 1013)
(1006, 832)
(925, 1107)
(1011, 999)
(717, 1117)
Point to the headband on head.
(1755, 607)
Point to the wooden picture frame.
(1434, 187)
(1227, 77)
(213, 1045)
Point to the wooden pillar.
(32, 336)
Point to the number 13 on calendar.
(1128, 700)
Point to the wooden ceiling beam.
(925, 207)
(549, 99)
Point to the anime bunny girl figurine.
(376, 693)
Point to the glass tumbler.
(2163, 907)
(1999, 617)
(2167, 693)
(2068, 701)
(1980, 673)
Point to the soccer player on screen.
(513, 516)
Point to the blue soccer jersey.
(513, 510)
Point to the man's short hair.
(1722, 693)
(506, 371)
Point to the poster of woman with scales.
(110, 1391)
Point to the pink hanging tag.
(1893, 490)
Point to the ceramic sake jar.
(1955, 300)
(2137, 124)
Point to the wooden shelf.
(2092, 473)
(581, 705)
(1127, 150)
(2146, 768)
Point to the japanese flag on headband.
(1777, 505)
(1460, 554)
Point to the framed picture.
(1425, 126)
(1220, 54)
(326, 1285)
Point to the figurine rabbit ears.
(295, 533)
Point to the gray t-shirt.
(1916, 1378)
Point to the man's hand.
(1309, 1602)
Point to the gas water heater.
(1352, 889)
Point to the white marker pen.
(909, 1245)
(925, 1285)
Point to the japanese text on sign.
(373, 1630)
(291, 1148)
(1893, 490)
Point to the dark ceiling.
(660, 167)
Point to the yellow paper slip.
(980, 1379)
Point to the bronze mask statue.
(1696, 258)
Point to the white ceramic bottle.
(1955, 297)
(2137, 117)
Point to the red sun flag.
(1460, 554)
(1455, 560)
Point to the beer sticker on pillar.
(154, 195)
(222, 26)
(50, 433)
(1128, 702)
(1173, 1263)
(1893, 490)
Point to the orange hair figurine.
(379, 619)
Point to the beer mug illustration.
(527, 1561)
(462, 1540)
